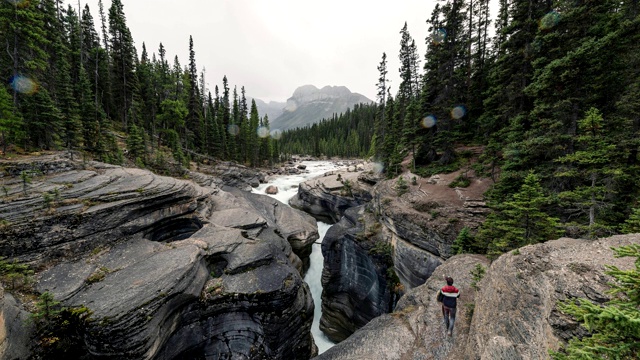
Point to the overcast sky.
(271, 47)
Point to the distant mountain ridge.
(308, 105)
(272, 109)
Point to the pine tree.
(254, 121)
(591, 167)
(123, 57)
(614, 330)
(11, 125)
(194, 105)
(135, 144)
(519, 221)
(377, 149)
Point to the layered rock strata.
(169, 269)
(327, 197)
(513, 313)
(354, 284)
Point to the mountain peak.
(309, 105)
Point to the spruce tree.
(519, 221)
(194, 105)
(11, 125)
(123, 57)
(590, 169)
(613, 328)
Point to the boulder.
(15, 329)
(271, 190)
(415, 329)
(234, 175)
(327, 197)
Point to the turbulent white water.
(287, 188)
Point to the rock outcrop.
(415, 329)
(15, 329)
(512, 315)
(528, 283)
(354, 283)
(424, 222)
(327, 197)
(170, 269)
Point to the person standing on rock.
(449, 295)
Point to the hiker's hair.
(449, 280)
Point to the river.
(287, 188)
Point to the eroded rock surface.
(415, 329)
(327, 197)
(15, 329)
(527, 286)
(515, 313)
(170, 269)
(354, 282)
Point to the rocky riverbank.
(170, 268)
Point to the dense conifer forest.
(72, 86)
(552, 99)
(549, 90)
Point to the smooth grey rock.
(354, 285)
(16, 331)
(415, 329)
(528, 285)
(158, 259)
(326, 197)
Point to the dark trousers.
(449, 315)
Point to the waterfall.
(287, 188)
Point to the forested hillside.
(553, 99)
(72, 86)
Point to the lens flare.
(429, 121)
(439, 36)
(23, 84)
(549, 20)
(458, 112)
(263, 132)
(276, 134)
(378, 167)
(233, 129)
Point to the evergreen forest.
(68, 85)
(548, 89)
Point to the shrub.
(401, 186)
(460, 181)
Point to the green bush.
(460, 181)
(401, 186)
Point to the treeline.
(553, 98)
(73, 87)
(347, 135)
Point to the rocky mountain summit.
(168, 268)
(309, 105)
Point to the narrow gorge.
(208, 267)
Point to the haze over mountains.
(309, 105)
